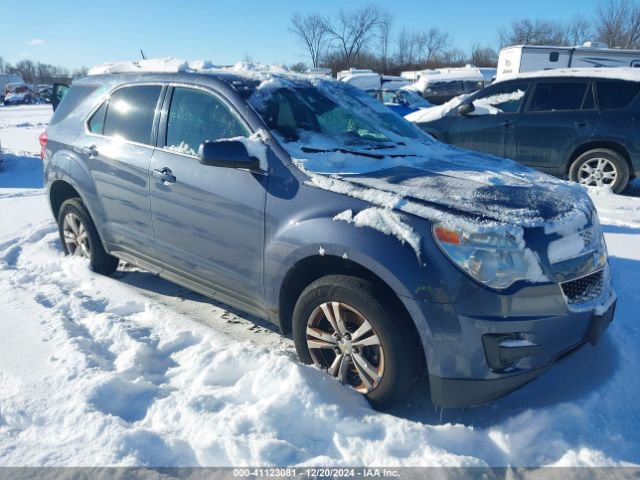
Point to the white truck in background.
(531, 58)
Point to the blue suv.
(306, 202)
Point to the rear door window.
(195, 117)
(131, 112)
(558, 96)
(616, 93)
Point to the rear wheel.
(340, 325)
(600, 168)
(80, 238)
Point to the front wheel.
(341, 326)
(600, 168)
(80, 238)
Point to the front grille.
(584, 289)
(588, 237)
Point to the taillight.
(43, 143)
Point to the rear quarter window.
(72, 100)
(130, 113)
(616, 93)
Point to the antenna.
(142, 53)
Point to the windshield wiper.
(377, 156)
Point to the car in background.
(306, 202)
(19, 94)
(401, 101)
(579, 124)
(6, 79)
(45, 93)
(441, 85)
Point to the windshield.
(347, 115)
(330, 126)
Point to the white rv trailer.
(531, 58)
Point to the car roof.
(614, 73)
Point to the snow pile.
(386, 221)
(436, 112)
(152, 65)
(255, 146)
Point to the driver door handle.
(506, 123)
(165, 174)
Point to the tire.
(396, 360)
(597, 167)
(81, 237)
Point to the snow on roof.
(615, 73)
(178, 65)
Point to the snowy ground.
(132, 370)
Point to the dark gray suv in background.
(306, 202)
(580, 124)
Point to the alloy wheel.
(76, 236)
(597, 172)
(343, 342)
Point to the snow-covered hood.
(452, 184)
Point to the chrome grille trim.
(584, 289)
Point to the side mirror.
(466, 108)
(227, 153)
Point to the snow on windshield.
(349, 143)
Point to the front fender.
(428, 277)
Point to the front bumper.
(490, 344)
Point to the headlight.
(493, 259)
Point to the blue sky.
(65, 33)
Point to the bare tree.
(351, 30)
(533, 32)
(454, 57)
(299, 67)
(311, 32)
(579, 30)
(433, 43)
(483, 56)
(384, 34)
(27, 70)
(617, 23)
(407, 48)
(2, 65)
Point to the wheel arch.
(309, 269)
(59, 192)
(617, 147)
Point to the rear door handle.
(583, 123)
(506, 123)
(165, 174)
